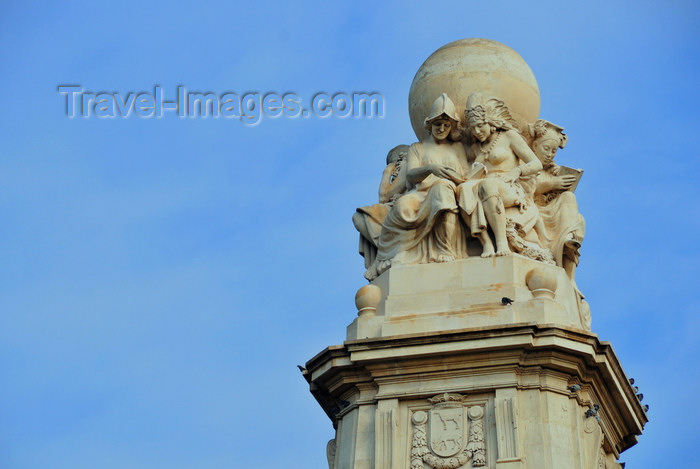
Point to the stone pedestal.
(442, 374)
(468, 293)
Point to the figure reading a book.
(368, 220)
(423, 225)
(563, 224)
(493, 196)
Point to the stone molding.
(519, 358)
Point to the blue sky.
(161, 278)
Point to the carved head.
(399, 151)
(548, 138)
(441, 128)
(482, 110)
(443, 121)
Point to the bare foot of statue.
(488, 252)
(445, 258)
(377, 268)
(486, 245)
(383, 265)
(503, 248)
(371, 273)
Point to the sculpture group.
(472, 345)
(476, 177)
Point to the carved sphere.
(476, 412)
(541, 282)
(419, 417)
(468, 65)
(367, 299)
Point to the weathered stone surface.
(374, 390)
(472, 345)
(467, 65)
(468, 293)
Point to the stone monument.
(472, 345)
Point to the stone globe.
(468, 65)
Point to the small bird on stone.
(593, 412)
(646, 408)
(302, 369)
(640, 396)
(574, 388)
(506, 301)
(631, 380)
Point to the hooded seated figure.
(423, 226)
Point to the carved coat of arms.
(440, 435)
(446, 428)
